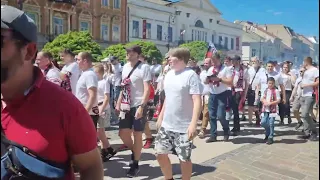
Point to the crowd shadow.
(118, 168)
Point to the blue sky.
(301, 15)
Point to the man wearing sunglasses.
(36, 113)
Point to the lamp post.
(171, 21)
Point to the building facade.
(152, 20)
(201, 21)
(104, 19)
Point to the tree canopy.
(198, 49)
(76, 41)
(149, 50)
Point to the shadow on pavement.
(118, 168)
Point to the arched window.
(199, 24)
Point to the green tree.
(198, 49)
(115, 50)
(77, 41)
(149, 49)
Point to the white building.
(201, 21)
(314, 48)
(258, 42)
(149, 20)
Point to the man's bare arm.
(92, 98)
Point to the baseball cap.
(17, 20)
(134, 48)
(236, 58)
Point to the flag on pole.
(183, 32)
(211, 50)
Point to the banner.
(144, 29)
(211, 50)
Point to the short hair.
(216, 55)
(180, 53)
(271, 79)
(87, 56)
(308, 60)
(255, 58)
(286, 63)
(270, 62)
(228, 58)
(47, 55)
(68, 51)
(99, 68)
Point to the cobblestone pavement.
(244, 157)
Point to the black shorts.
(130, 122)
(251, 97)
(95, 119)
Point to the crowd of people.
(54, 116)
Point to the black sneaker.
(269, 141)
(211, 139)
(281, 122)
(266, 138)
(289, 120)
(107, 154)
(315, 121)
(133, 171)
(174, 152)
(313, 137)
(226, 138)
(304, 137)
(234, 132)
(299, 125)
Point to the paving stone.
(267, 177)
(227, 177)
(251, 173)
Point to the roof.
(302, 37)
(268, 33)
(162, 2)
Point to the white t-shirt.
(236, 72)
(73, 68)
(268, 97)
(225, 72)
(53, 75)
(309, 77)
(159, 81)
(287, 83)
(255, 81)
(297, 84)
(87, 80)
(179, 88)
(103, 89)
(206, 87)
(140, 74)
(117, 70)
(155, 69)
(264, 83)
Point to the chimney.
(265, 27)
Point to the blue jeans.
(268, 124)
(116, 94)
(217, 110)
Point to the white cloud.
(277, 13)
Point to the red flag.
(211, 50)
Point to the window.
(220, 40)
(35, 17)
(192, 37)
(104, 32)
(205, 37)
(212, 38)
(105, 2)
(57, 25)
(135, 29)
(253, 53)
(148, 31)
(170, 34)
(116, 4)
(115, 33)
(232, 44)
(84, 0)
(226, 42)
(159, 32)
(84, 26)
(199, 36)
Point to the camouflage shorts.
(167, 141)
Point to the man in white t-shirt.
(255, 71)
(177, 122)
(70, 73)
(86, 88)
(155, 68)
(205, 97)
(219, 78)
(132, 105)
(239, 90)
(117, 70)
(310, 80)
(44, 62)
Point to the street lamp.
(171, 21)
